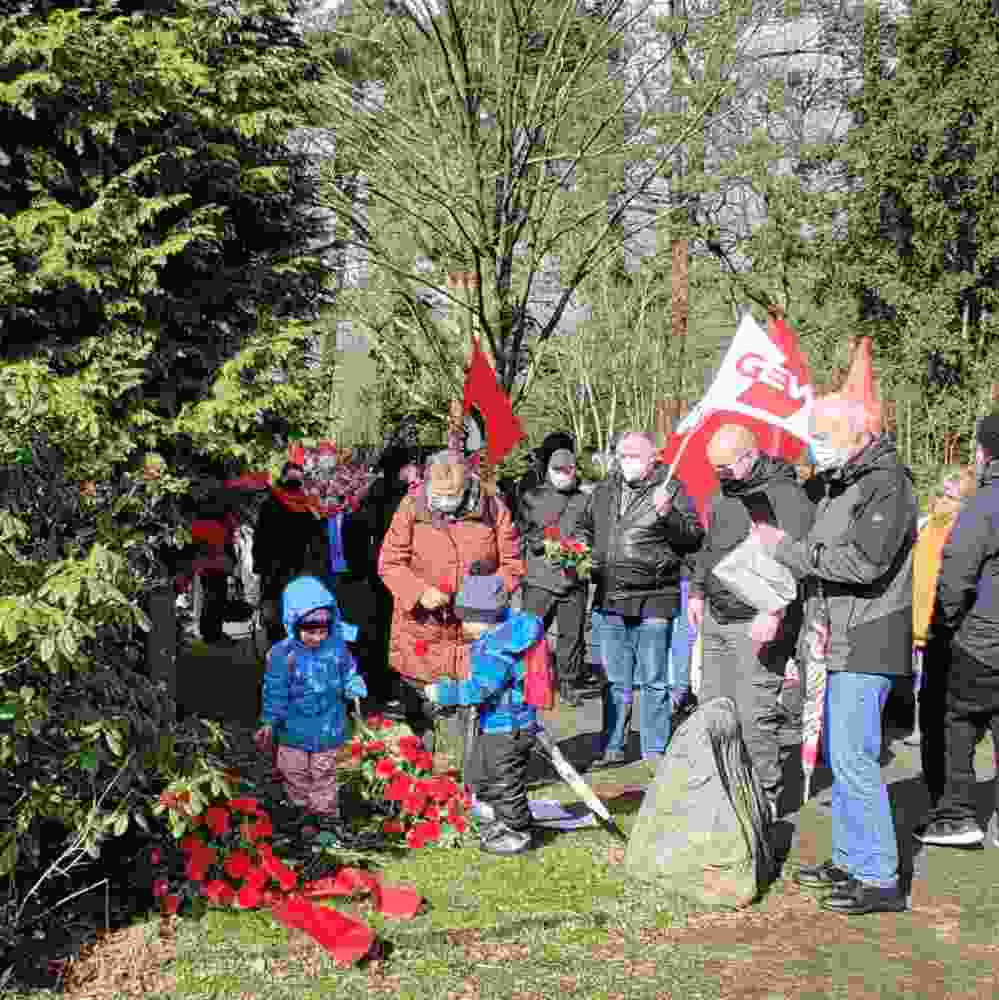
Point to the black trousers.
(932, 706)
(214, 598)
(570, 614)
(965, 720)
(500, 768)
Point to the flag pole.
(683, 447)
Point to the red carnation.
(357, 749)
(423, 786)
(258, 829)
(195, 868)
(219, 892)
(421, 647)
(160, 888)
(446, 586)
(385, 768)
(431, 812)
(192, 842)
(217, 820)
(376, 722)
(428, 830)
(248, 898)
(280, 872)
(155, 855)
(398, 788)
(375, 747)
(424, 761)
(413, 839)
(257, 878)
(168, 799)
(459, 823)
(238, 865)
(552, 533)
(411, 743)
(171, 904)
(249, 806)
(392, 826)
(413, 804)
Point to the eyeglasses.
(730, 467)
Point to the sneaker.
(950, 833)
(610, 758)
(498, 838)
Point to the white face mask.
(445, 504)
(562, 480)
(826, 456)
(632, 469)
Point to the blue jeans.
(636, 652)
(863, 832)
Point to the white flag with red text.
(764, 383)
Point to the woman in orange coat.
(931, 650)
(435, 536)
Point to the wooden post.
(467, 282)
(681, 287)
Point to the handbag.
(754, 576)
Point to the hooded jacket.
(968, 590)
(637, 553)
(306, 690)
(496, 676)
(857, 558)
(539, 508)
(770, 493)
(421, 551)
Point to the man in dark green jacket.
(856, 567)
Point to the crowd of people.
(462, 591)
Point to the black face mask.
(291, 484)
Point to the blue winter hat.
(482, 597)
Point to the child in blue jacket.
(507, 724)
(310, 675)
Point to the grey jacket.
(857, 559)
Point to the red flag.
(503, 428)
(764, 384)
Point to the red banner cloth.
(346, 939)
(764, 383)
(483, 391)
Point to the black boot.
(498, 838)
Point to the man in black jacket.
(745, 652)
(549, 592)
(967, 614)
(641, 528)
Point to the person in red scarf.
(290, 540)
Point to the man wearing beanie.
(550, 592)
(501, 642)
(967, 615)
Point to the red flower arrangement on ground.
(568, 554)
(223, 856)
(424, 808)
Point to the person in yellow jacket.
(930, 648)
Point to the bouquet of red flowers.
(422, 808)
(221, 855)
(568, 554)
